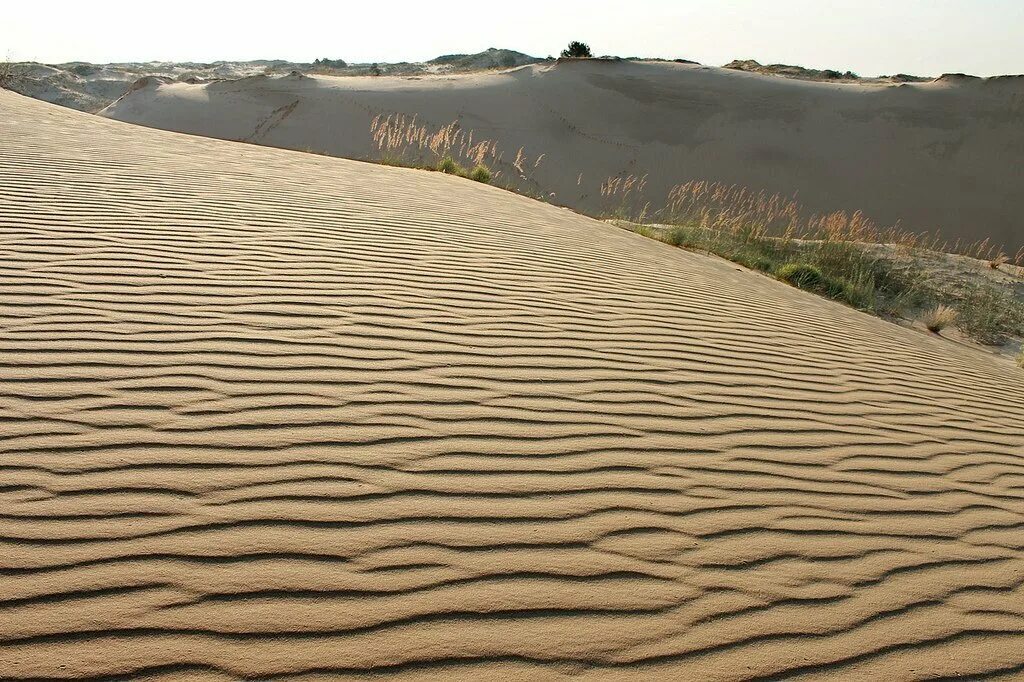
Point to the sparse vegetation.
(938, 318)
(9, 73)
(577, 50)
(990, 315)
(1020, 359)
(842, 256)
(450, 149)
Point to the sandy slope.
(934, 155)
(268, 413)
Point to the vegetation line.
(842, 256)
(883, 279)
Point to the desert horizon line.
(767, 63)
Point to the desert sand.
(940, 156)
(267, 413)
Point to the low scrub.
(450, 166)
(861, 276)
(841, 256)
(990, 315)
(480, 173)
(9, 75)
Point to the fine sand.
(267, 413)
(941, 156)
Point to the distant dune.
(941, 156)
(271, 414)
(91, 87)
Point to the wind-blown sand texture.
(267, 414)
(941, 156)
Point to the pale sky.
(870, 37)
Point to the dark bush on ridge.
(577, 50)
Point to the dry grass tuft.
(1001, 259)
(449, 148)
(938, 318)
(739, 211)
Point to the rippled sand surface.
(268, 414)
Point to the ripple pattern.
(266, 415)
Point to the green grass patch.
(480, 173)
(857, 274)
(802, 276)
(451, 167)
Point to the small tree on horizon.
(577, 50)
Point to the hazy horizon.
(983, 37)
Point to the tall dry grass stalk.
(739, 212)
(403, 138)
(731, 210)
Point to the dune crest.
(275, 414)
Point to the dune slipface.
(266, 414)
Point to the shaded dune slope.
(273, 414)
(939, 156)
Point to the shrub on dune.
(450, 166)
(480, 173)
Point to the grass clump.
(802, 276)
(938, 318)
(480, 173)
(450, 166)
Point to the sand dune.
(267, 413)
(91, 87)
(936, 156)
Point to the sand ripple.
(266, 414)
